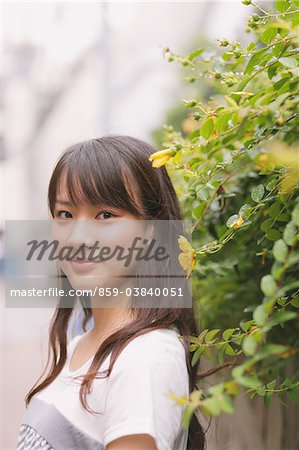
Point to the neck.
(109, 319)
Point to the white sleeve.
(137, 401)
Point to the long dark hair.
(115, 170)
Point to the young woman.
(107, 388)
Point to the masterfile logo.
(134, 261)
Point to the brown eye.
(105, 213)
(68, 215)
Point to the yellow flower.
(160, 158)
(187, 257)
(262, 162)
(284, 156)
(237, 223)
(189, 125)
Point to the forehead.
(69, 188)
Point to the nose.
(81, 234)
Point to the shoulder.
(150, 368)
(162, 346)
(163, 340)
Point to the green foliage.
(236, 170)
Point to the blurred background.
(73, 71)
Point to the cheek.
(123, 234)
(60, 232)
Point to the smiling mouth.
(84, 261)
(83, 266)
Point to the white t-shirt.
(132, 400)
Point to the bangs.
(87, 174)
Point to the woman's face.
(85, 230)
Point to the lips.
(83, 261)
(83, 265)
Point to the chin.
(84, 282)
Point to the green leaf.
(210, 335)
(220, 354)
(257, 58)
(295, 215)
(268, 304)
(266, 225)
(283, 316)
(238, 371)
(203, 194)
(222, 123)
(275, 209)
(245, 210)
(281, 301)
(294, 19)
(287, 383)
(231, 101)
(295, 302)
(211, 406)
(280, 250)
(289, 233)
(197, 354)
(246, 325)
(228, 333)
(261, 391)
(288, 62)
(202, 335)
(260, 315)
(283, 217)
(272, 69)
(272, 183)
(271, 349)
(207, 353)
(217, 389)
(197, 212)
(268, 35)
(258, 193)
(289, 286)
(187, 414)
(207, 128)
(228, 350)
(226, 404)
(271, 385)
(280, 83)
(193, 347)
(196, 53)
(273, 235)
(279, 49)
(282, 6)
(249, 345)
(268, 285)
(267, 399)
(293, 394)
(193, 339)
(249, 381)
